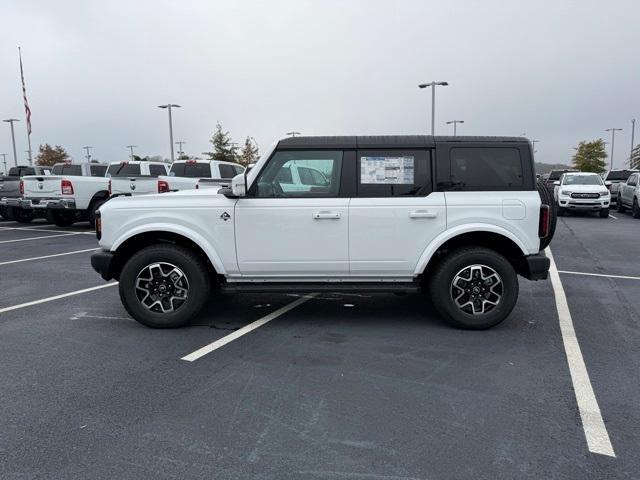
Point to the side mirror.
(556, 183)
(239, 185)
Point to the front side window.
(394, 173)
(300, 174)
(97, 170)
(156, 170)
(484, 168)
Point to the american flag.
(27, 110)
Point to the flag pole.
(27, 110)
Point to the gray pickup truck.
(10, 193)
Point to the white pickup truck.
(458, 217)
(193, 174)
(72, 193)
(137, 178)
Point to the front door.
(293, 222)
(395, 213)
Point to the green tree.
(223, 147)
(249, 153)
(48, 156)
(634, 161)
(590, 156)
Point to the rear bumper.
(535, 267)
(53, 203)
(10, 202)
(101, 262)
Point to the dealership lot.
(338, 387)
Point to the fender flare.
(190, 234)
(447, 235)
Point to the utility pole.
(613, 141)
(455, 124)
(13, 139)
(293, 134)
(4, 160)
(433, 101)
(131, 147)
(533, 145)
(180, 143)
(169, 106)
(633, 131)
(88, 155)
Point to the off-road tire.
(194, 269)
(444, 274)
(63, 218)
(547, 199)
(93, 208)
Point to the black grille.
(585, 195)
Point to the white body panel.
(388, 235)
(84, 188)
(142, 184)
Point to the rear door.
(294, 232)
(395, 213)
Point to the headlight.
(605, 193)
(565, 192)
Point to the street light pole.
(87, 149)
(4, 160)
(131, 147)
(633, 131)
(433, 101)
(613, 141)
(293, 134)
(13, 139)
(169, 106)
(455, 124)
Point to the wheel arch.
(125, 247)
(488, 236)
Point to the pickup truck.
(137, 178)
(10, 193)
(72, 193)
(187, 174)
(458, 217)
(616, 178)
(629, 195)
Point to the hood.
(180, 199)
(585, 188)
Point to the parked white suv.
(582, 191)
(458, 217)
(629, 195)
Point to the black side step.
(308, 287)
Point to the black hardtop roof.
(389, 141)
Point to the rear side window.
(633, 180)
(190, 170)
(394, 173)
(478, 168)
(156, 170)
(238, 169)
(72, 170)
(97, 170)
(123, 170)
(227, 171)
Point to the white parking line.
(625, 277)
(37, 238)
(613, 217)
(45, 230)
(47, 256)
(593, 425)
(56, 297)
(201, 352)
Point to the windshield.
(123, 170)
(582, 180)
(67, 169)
(620, 175)
(556, 174)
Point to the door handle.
(326, 215)
(422, 214)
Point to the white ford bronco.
(458, 217)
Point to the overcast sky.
(560, 71)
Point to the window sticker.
(387, 170)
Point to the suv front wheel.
(474, 288)
(164, 285)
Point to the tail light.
(109, 187)
(163, 186)
(98, 225)
(66, 187)
(21, 187)
(545, 221)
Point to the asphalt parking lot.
(337, 387)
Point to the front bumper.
(535, 267)
(53, 203)
(584, 204)
(101, 262)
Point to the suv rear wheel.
(164, 286)
(474, 288)
(635, 209)
(604, 213)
